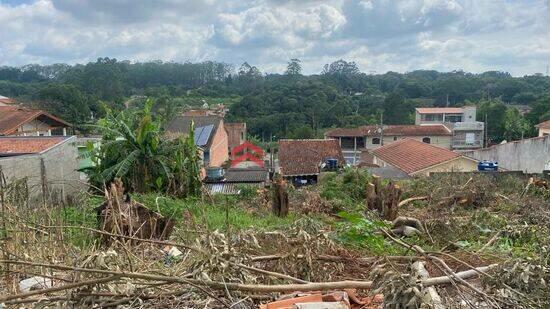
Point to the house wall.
(529, 155)
(59, 166)
(34, 128)
(218, 151)
(461, 164)
(544, 132)
(236, 133)
(443, 141)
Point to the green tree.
(495, 113)
(294, 67)
(515, 125)
(134, 149)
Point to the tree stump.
(280, 197)
(384, 200)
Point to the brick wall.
(218, 150)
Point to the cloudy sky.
(379, 35)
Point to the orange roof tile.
(391, 130)
(544, 125)
(304, 156)
(411, 156)
(27, 145)
(439, 110)
(12, 117)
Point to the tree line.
(290, 105)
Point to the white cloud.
(379, 35)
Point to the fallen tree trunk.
(317, 286)
(430, 295)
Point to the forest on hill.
(290, 105)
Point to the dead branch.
(412, 199)
(61, 288)
(317, 286)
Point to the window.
(395, 138)
(427, 140)
(433, 117)
(376, 141)
(453, 118)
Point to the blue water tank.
(332, 163)
(486, 165)
(215, 173)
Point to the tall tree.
(294, 67)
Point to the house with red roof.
(21, 121)
(302, 160)
(416, 158)
(356, 141)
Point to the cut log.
(430, 295)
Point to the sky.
(379, 35)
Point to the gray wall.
(528, 155)
(59, 167)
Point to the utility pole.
(485, 142)
(382, 129)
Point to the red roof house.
(16, 120)
(302, 157)
(417, 158)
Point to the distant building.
(236, 133)
(21, 121)
(210, 135)
(5, 101)
(544, 128)
(356, 141)
(301, 160)
(467, 132)
(237, 178)
(416, 158)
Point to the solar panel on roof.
(202, 134)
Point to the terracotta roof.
(544, 125)
(411, 156)
(391, 130)
(439, 110)
(10, 146)
(304, 156)
(12, 117)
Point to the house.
(21, 121)
(235, 179)
(5, 101)
(544, 128)
(416, 158)
(236, 133)
(301, 160)
(48, 165)
(467, 132)
(356, 141)
(210, 135)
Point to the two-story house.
(357, 142)
(467, 133)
